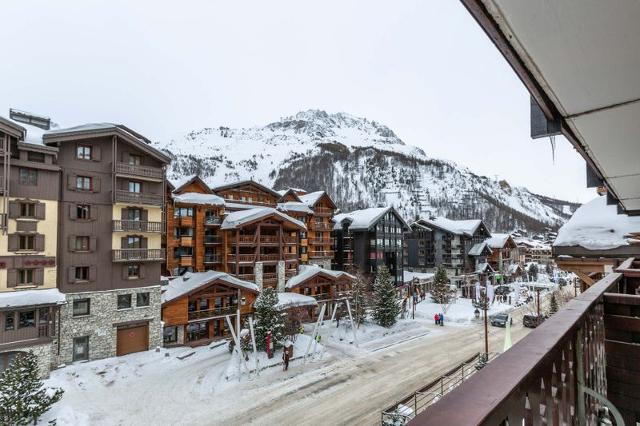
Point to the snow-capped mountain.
(360, 163)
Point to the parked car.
(500, 320)
(532, 320)
(502, 290)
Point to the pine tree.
(268, 318)
(385, 304)
(23, 399)
(533, 271)
(359, 298)
(553, 304)
(441, 291)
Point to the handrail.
(137, 170)
(125, 196)
(137, 225)
(125, 255)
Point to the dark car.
(532, 320)
(500, 320)
(502, 290)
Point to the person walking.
(285, 358)
(442, 319)
(436, 317)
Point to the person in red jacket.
(436, 317)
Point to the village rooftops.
(498, 241)
(458, 227)
(246, 217)
(246, 182)
(18, 298)
(307, 272)
(364, 219)
(294, 300)
(198, 198)
(480, 249)
(295, 206)
(26, 132)
(598, 226)
(192, 281)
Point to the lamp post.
(485, 306)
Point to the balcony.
(582, 359)
(246, 277)
(138, 255)
(123, 196)
(212, 258)
(185, 261)
(321, 254)
(323, 211)
(241, 258)
(321, 241)
(185, 241)
(290, 273)
(212, 313)
(321, 226)
(40, 333)
(140, 172)
(213, 221)
(212, 239)
(290, 256)
(137, 226)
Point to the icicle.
(552, 140)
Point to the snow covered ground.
(461, 312)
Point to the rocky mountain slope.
(361, 163)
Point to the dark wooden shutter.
(123, 243)
(13, 240)
(125, 272)
(125, 157)
(96, 184)
(96, 153)
(93, 211)
(12, 277)
(93, 273)
(71, 182)
(143, 243)
(124, 214)
(39, 242)
(93, 243)
(38, 276)
(142, 271)
(73, 211)
(14, 209)
(40, 211)
(72, 243)
(144, 215)
(71, 274)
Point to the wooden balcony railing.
(321, 254)
(323, 211)
(213, 220)
(321, 226)
(212, 259)
(137, 225)
(269, 276)
(243, 258)
(269, 257)
(558, 373)
(246, 277)
(147, 172)
(320, 241)
(138, 255)
(123, 196)
(290, 256)
(290, 273)
(212, 239)
(185, 260)
(212, 313)
(25, 334)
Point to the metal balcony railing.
(147, 172)
(212, 313)
(123, 196)
(138, 255)
(137, 225)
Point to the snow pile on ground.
(597, 226)
(460, 312)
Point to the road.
(353, 390)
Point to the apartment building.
(29, 299)
(366, 239)
(109, 240)
(419, 250)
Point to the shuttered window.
(28, 176)
(26, 242)
(26, 277)
(84, 183)
(83, 152)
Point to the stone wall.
(44, 353)
(101, 323)
(281, 276)
(257, 271)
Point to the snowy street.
(348, 385)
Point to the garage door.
(133, 339)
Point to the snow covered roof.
(294, 300)
(30, 133)
(597, 226)
(246, 182)
(307, 272)
(365, 218)
(199, 198)
(514, 268)
(459, 227)
(311, 198)
(18, 298)
(192, 281)
(479, 248)
(497, 241)
(239, 218)
(483, 267)
(295, 206)
(420, 276)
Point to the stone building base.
(44, 353)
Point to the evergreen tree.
(533, 271)
(23, 399)
(441, 291)
(359, 298)
(553, 304)
(385, 304)
(268, 318)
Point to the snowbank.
(460, 312)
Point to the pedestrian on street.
(285, 358)
(441, 319)
(436, 317)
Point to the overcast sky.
(424, 68)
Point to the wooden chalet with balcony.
(194, 306)
(324, 285)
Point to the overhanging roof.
(580, 61)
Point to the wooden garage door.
(133, 339)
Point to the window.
(26, 242)
(28, 177)
(82, 273)
(183, 212)
(133, 242)
(26, 319)
(170, 334)
(124, 301)
(36, 157)
(81, 348)
(135, 160)
(134, 186)
(84, 183)
(81, 307)
(9, 321)
(27, 210)
(133, 271)
(134, 214)
(204, 304)
(82, 244)
(25, 277)
(83, 152)
(83, 211)
(142, 299)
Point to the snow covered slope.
(361, 163)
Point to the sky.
(422, 67)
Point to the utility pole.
(538, 301)
(486, 330)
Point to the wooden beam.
(584, 277)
